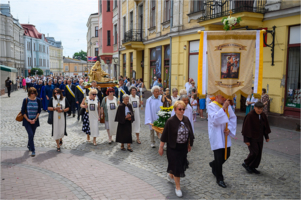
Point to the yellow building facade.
(148, 34)
(74, 67)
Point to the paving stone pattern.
(280, 177)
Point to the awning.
(8, 69)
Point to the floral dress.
(264, 99)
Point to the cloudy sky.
(65, 20)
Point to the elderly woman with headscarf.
(152, 106)
(125, 118)
(178, 135)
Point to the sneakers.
(178, 193)
(170, 179)
(152, 145)
(33, 154)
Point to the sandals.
(138, 141)
(58, 149)
(61, 142)
(130, 150)
(122, 149)
(94, 143)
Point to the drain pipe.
(170, 43)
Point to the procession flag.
(229, 57)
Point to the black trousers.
(27, 85)
(8, 91)
(217, 163)
(72, 107)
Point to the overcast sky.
(65, 20)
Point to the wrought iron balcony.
(221, 8)
(134, 35)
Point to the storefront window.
(166, 66)
(293, 92)
(293, 78)
(124, 65)
(152, 64)
(131, 65)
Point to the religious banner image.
(230, 65)
(158, 61)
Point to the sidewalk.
(75, 175)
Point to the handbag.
(102, 120)
(20, 117)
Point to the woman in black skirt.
(125, 118)
(179, 137)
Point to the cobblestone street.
(84, 171)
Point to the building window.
(96, 51)
(109, 38)
(28, 62)
(100, 6)
(115, 34)
(124, 65)
(35, 62)
(115, 4)
(124, 27)
(153, 14)
(197, 5)
(131, 20)
(96, 31)
(108, 5)
(66, 68)
(75, 68)
(47, 50)
(167, 11)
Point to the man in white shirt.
(188, 85)
(217, 120)
(28, 82)
(152, 106)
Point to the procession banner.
(231, 59)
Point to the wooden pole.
(226, 137)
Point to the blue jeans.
(31, 130)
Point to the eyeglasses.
(56, 93)
(32, 93)
(180, 109)
(94, 94)
(111, 91)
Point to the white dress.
(93, 117)
(58, 124)
(112, 109)
(174, 99)
(135, 105)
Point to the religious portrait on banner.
(230, 63)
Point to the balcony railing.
(220, 8)
(134, 35)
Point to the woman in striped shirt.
(31, 109)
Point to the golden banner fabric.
(231, 57)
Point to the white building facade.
(11, 40)
(55, 56)
(92, 37)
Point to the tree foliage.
(82, 55)
(34, 70)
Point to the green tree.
(82, 55)
(34, 70)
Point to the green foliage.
(82, 55)
(34, 70)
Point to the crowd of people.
(118, 108)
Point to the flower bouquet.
(164, 114)
(230, 22)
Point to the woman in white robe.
(108, 111)
(92, 115)
(59, 105)
(136, 104)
